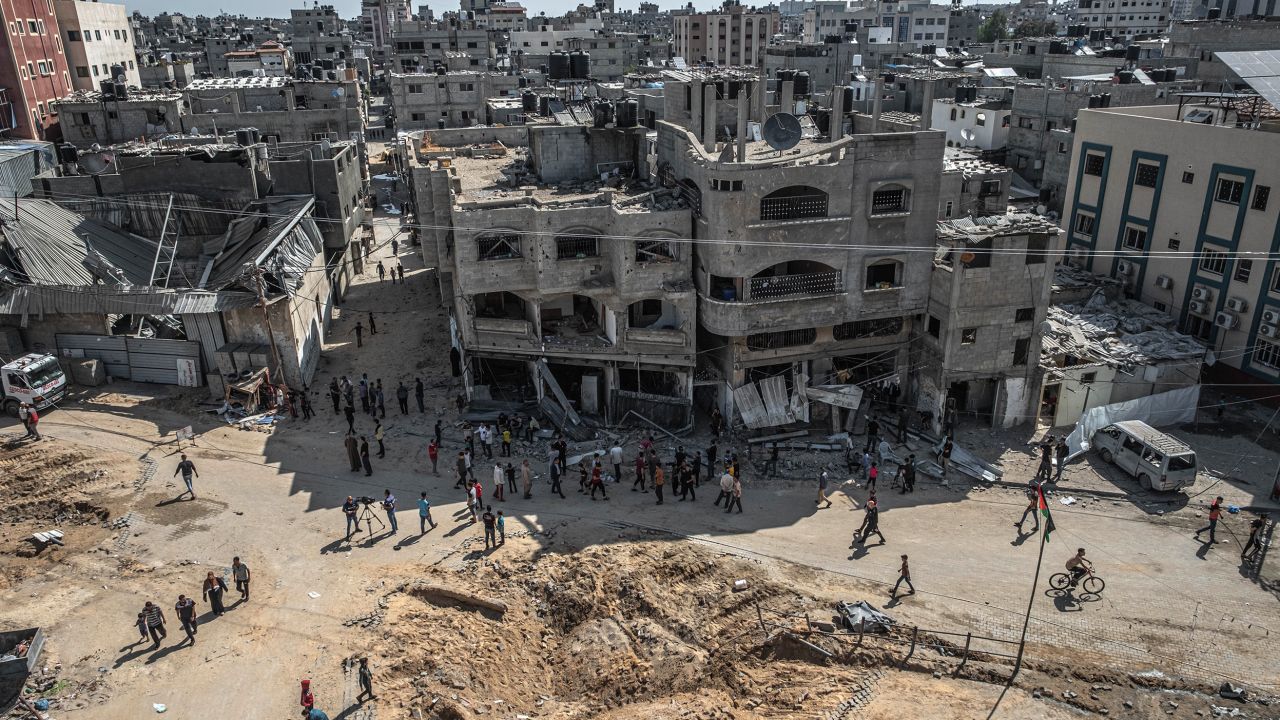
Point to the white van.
(1158, 461)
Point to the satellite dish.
(782, 131)
(96, 163)
(967, 134)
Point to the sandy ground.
(618, 609)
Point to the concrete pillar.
(877, 101)
(744, 102)
(695, 107)
(837, 113)
(787, 98)
(761, 97)
(709, 117)
(926, 107)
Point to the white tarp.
(1167, 408)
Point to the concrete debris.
(1118, 334)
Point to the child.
(308, 700)
(502, 528)
(141, 624)
(872, 475)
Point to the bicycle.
(1090, 583)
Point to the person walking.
(556, 475)
(350, 412)
(1061, 451)
(364, 456)
(400, 271)
(382, 272)
(424, 514)
(433, 452)
(402, 398)
(365, 393)
(348, 390)
(353, 452)
(1045, 471)
(726, 488)
(822, 490)
(212, 591)
(439, 433)
(697, 467)
(639, 481)
(909, 474)
(1032, 509)
(389, 505)
(366, 681)
(1255, 537)
(948, 446)
(659, 479)
(359, 333)
(526, 478)
(1215, 512)
(351, 510)
(378, 434)
(872, 524)
(866, 464)
(335, 394)
(490, 528)
(141, 625)
(418, 391)
(531, 429)
(188, 469)
(185, 609)
(687, 489)
(506, 443)
(307, 412)
(154, 618)
(240, 574)
(735, 496)
(597, 482)
(486, 440)
(652, 465)
(510, 470)
(904, 575)
(499, 483)
(460, 466)
(307, 699)
(373, 326)
(382, 400)
(615, 457)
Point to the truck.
(34, 378)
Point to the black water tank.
(1133, 52)
(544, 105)
(890, 77)
(522, 81)
(802, 83)
(117, 72)
(243, 138)
(1104, 100)
(441, 70)
(107, 88)
(67, 153)
(628, 112)
(973, 93)
(1126, 77)
(122, 91)
(602, 112)
(529, 101)
(735, 88)
(962, 93)
(580, 64)
(785, 74)
(847, 104)
(1214, 13)
(559, 66)
(317, 72)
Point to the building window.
(859, 329)
(883, 275)
(498, 247)
(1135, 238)
(1268, 354)
(793, 203)
(1021, 350)
(82, 71)
(786, 338)
(1243, 269)
(73, 36)
(968, 336)
(1174, 243)
(1024, 314)
(655, 251)
(953, 114)
(1159, 306)
(1213, 261)
(935, 326)
(575, 247)
(726, 185)
(1275, 281)
(888, 200)
(1093, 164)
(1146, 175)
(1062, 148)
(950, 207)
(1084, 224)
(33, 27)
(1260, 195)
(1229, 191)
(1037, 249)
(1188, 177)
(1088, 378)
(95, 70)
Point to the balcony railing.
(793, 207)
(805, 284)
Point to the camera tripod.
(368, 516)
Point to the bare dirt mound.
(57, 481)
(637, 631)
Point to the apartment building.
(733, 36)
(917, 23)
(377, 20)
(454, 99)
(1175, 202)
(34, 71)
(970, 120)
(419, 46)
(549, 302)
(1123, 19)
(97, 36)
(271, 59)
(319, 34)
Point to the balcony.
(813, 284)
(736, 319)
(504, 326)
(647, 336)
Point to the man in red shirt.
(1215, 512)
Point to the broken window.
(793, 203)
(650, 382)
(978, 255)
(889, 200)
(935, 326)
(573, 247)
(859, 329)
(655, 251)
(498, 247)
(968, 336)
(783, 339)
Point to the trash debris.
(861, 616)
(313, 594)
(1231, 692)
(1068, 500)
(159, 707)
(739, 585)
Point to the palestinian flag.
(1044, 510)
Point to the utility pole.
(266, 318)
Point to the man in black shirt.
(351, 509)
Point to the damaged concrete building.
(565, 266)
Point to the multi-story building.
(917, 22)
(318, 35)
(34, 71)
(1199, 42)
(564, 288)
(378, 17)
(613, 55)
(97, 36)
(1174, 200)
(419, 46)
(271, 59)
(962, 26)
(1123, 19)
(733, 36)
(452, 100)
(973, 120)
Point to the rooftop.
(135, 95)
(1118, 334)
(238, 82)
(977, 229)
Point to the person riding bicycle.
(1078, 566)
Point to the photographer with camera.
(389, 504)
(350, 508)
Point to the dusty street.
(617, 608)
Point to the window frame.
(1211, 259)
(1094, 162)
(1228, 191)
(1149, 172)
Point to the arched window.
(574, 247)
(498, 246)
(793, 203)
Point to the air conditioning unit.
(1124, 267)
(1237, 304)
(1225, 320)
(1202, 293)
(1164, 282)
(1270, 331)
(1271, 317)
(1199, 307)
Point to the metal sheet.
(107, 348)
(845, 396)
(52, 244)
(207, 329)
(777, 404)
(747, 400)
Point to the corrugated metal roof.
(64, 300)
(249, 237)
(50, 245)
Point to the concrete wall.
(575, 153)
(89, 121)
(335, 181)
(293, 319)
(422, 101)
